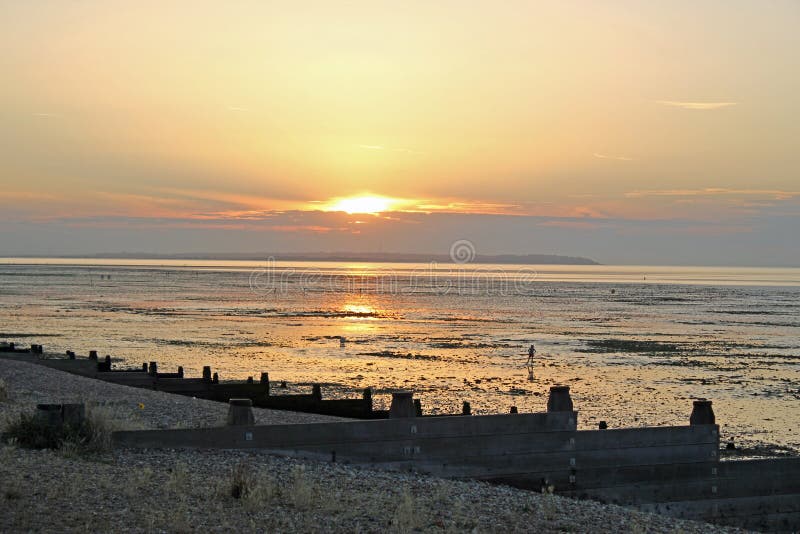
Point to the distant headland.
(372, 257)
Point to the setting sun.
(362, 204)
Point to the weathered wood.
(402, 405)
(295, 436)
(240, 412)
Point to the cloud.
(371, 147)
(774, 193)
(237, 108)
(696, 105)
(605, 156)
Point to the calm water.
(636, 344)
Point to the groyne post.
(73, 414)
(49, 414)
(402, 405)
(702, 413)
(264, 380)
(367, 396)
(240, 412)
(207, 373)
(559, 399)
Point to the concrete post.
(11, 346)
(402, 405)
(702, 413)
(92, 354)
(602, 425)
(207, 373)
(466, 409)
(240, 412)
(418, 407)
(215, 379)
(153, 369)
(144, 367)
(108, 362)
(180, 371)
(559, 399)
(316, 392)
(513, 410)
(70, 355)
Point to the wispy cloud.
(774, 193)
(371, 147)
(606, 156)
(696, 105)
(465, 207)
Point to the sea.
(636, 344)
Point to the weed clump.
(242, 481)
(91, 435)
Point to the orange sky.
(587, 110)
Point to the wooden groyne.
(674, 470)
(208, 386)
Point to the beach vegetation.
(406, 516)
(91, 436)
(302, 490)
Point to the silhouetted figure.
(531, 364)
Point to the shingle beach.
(192, 491)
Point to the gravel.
(230, 491)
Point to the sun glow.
(362, 204)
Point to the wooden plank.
(729, 508)
(647, 436)
(294, 436)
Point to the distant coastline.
(376, 257)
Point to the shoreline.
(182, 490)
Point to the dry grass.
(92, 436)
(4, 396)
(407, 517)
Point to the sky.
(628, 132)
